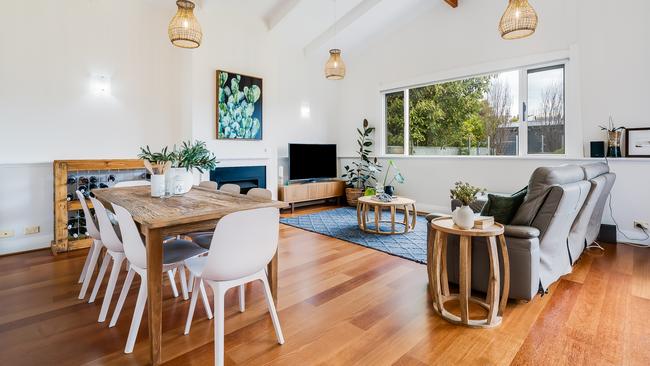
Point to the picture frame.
(637, 142)
(239, 114)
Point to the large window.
(508, 113)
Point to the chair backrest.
(134, 248)
(132, 183)
(230, 188)
(106, 228)
(209, 185)
(91, 222)
(243, 243)
(260, 193)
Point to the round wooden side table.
(437, 268)
(365, 203)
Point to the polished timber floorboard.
(339, 304)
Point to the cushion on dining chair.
(203, 241)
(177, 250)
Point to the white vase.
(157, 185)
(463, 217)
(186, 177)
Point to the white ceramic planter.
(157, 185)
(463, 217)
(181, 180)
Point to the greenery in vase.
(195, 156)
(397, 177)
(361, 173)
(157, 157)
(465, 192)
(610, 126)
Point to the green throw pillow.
(504, 208)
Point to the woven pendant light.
(518, 21)
(335, 67)
(184, 30)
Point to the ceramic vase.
(185, 177)
(463, 217)
(389, 190)
(157, 185)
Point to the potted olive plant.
(190, 157)
(464, 216)
(157, 163)
(361, 173)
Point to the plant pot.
(463, 217)
(182, 180)
(157, 185)
(389, 190)
(352, 195)
(614, 144)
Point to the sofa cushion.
(503, 208)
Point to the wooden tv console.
(306, 192)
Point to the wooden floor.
(339, 304)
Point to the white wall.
(610, 57)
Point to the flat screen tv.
(312, 161)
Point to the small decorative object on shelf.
(614, 135)
(463, 216)
(361, 173)
(397, 177)
(383, 197)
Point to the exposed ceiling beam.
(279, 12)
(452, 3)
(350, 17)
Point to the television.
(312, 162)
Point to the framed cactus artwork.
(239, 106)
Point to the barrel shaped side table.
(368, 203)
(494, 303)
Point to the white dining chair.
(237, 256)
(209, 185)
(260, 193)
(175, 252)
(230, 188)
(95, 248)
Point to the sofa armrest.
(435, 215)
(522, 232)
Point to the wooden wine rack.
(62, 207)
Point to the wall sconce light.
(100, 85)
(305, 110)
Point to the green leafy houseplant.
(362, 172)
(397, 177)
(465, 192)
(195, 156)
(157, 157)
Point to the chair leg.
(110, 288)
(190, 313)
(181, 271)
(96, 251)
(242, 298)
(137, 315)
(172, 282)
(190, 281)
(120, 302)
(272, 311)
(219, 315)
(206, 302)
(85, 269)
(100, 277)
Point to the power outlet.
(32, 230)
(6, 233)
(641, 225)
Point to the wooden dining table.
(198, 210)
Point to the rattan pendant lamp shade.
(335, 67)
(518, 21)
(184, 29)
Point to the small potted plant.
(463, 216)
(361, 172)
(389, 189)
(614, 135)
(188, 158)
(157, 163)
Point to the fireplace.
(246, 177)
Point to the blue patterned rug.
(341, 223)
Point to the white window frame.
(557, 59)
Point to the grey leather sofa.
(538, 237)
